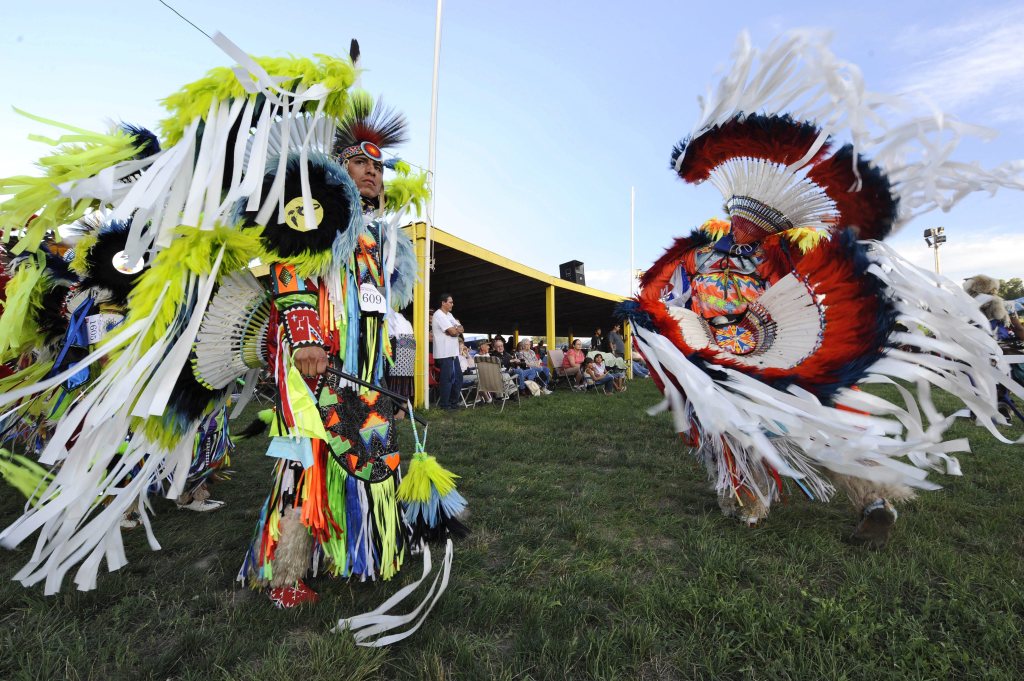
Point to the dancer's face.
(368, 176)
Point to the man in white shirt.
(446, 330)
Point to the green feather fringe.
(193, 250)
(24, 475)
(220, 84)
(78, 264)
(24, 298)
(79, 155)
(406, 189)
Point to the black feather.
(448, 526)
(99, 262)
(146, 142)
(254, 429)
(190, 401)
(353, 52)
(371, 121)
(52, 316)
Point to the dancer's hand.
(311, 360)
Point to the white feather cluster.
(185, 184)
(799, 75)
(785, 189)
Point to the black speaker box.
(572, 271)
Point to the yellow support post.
(627, 338)
(420, 323)
(549, 315)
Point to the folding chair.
(469, 388)
(572, 379)
(265, 391)
(491, 381)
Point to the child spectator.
(466, 361)
(592, 376)
(600, 371)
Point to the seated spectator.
(530, 363)
(592, 376)
(515, 366)
(498, 350)
(466, 362)
(483, 349)
(542, 352)
(600, 370)
(572, 360)
(640, 369)
(1005, 325)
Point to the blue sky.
(549, 111)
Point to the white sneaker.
(546, 391)
(202, 506)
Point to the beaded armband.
(296, 307)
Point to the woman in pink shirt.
(573, 359)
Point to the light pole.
(935, 237)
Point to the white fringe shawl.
(96, 472)
(183, 184)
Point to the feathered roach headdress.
(776, 175)
(764, 140)
(368, 128)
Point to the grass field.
(597, 553)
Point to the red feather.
(873, 209)
(774, 138)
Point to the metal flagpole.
(632, 267)
(627, 331)
(425, 350)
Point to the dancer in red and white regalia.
(760, 327)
